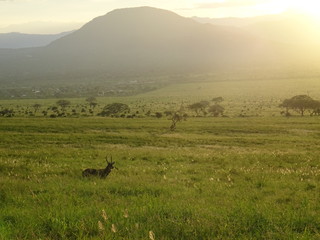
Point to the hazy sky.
(55, 15)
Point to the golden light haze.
(25, 16)
(311, 7)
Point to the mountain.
(148, 39)
(21, 40)
(143, 41)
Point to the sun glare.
(310, 7)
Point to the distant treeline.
(74, 91)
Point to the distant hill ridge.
(145, 41)
(16, 40)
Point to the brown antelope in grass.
(102, 173)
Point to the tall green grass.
(225, 178)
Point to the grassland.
(248, 97)
(213, 178)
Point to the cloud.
(226, 4)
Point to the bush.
(114, 108)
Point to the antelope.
(102, 173)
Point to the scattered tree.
(168, 113)
(63, 104)
(176, 117)
(216, 110)
(36, 107)
(300, 104)
(114, 108)
(92, 102)
(148, 113)
(199, 106)
(6, 112)
(217, 100)
(316, 112)
(158, 115)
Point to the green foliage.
(241, 98)
(217, 99)
(158, 115)
(199, 107)
(204, 107)
(6, 112)
(36, 107)
(216, 110)
(114, 108)
(92, 101)
(300, 103)
(63, 103)
(176, 117)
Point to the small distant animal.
(102, 173)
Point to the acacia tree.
(217, 100)
(176, 117)
(63, 104)
(199, 107)
(92, 102)
(36, 107)
(114, 108)
(7, 112)
(216, 110)
(300, 104)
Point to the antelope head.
(111, 163)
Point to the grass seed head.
(104, 215)
(100, 226)
(113, 228)
(151, 235)
(126, 214)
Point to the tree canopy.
(216, 110)
(63, 103)
(300, 104)
(199, 106)
(114, 108)
(92, 101)
(217, 99)
(36, 107)
(177, 117)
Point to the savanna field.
(252, 174)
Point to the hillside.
(16, 40)
(139, 41)
(145, 41)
